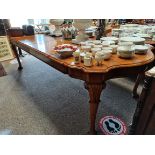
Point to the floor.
(40, 100)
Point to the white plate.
(130, 25)
(141, 47)
(111, 42)
(97, 42)
(132, 39)
(125, 49)
(142, 35)
(109, 39)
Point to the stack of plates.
(141, 49)
(135, 40)
(125, 52)
(129, 25)
(145, 36)
(109, 39)
(110, 42)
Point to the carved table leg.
(17, 56)
(94, 94)
(140, 77)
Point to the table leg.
(20, 52)
(140, 77)
(94, 94)
(17, 56)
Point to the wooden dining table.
(94, 77)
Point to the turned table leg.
(94, 94)
(17, 56)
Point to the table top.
(44, 45)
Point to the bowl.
(141, 49)
(105, 44)
(103, 55)
(125, 44)
(65, 50)
(115, 39)
(135, 40)
(125, 52)
(106, 54)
